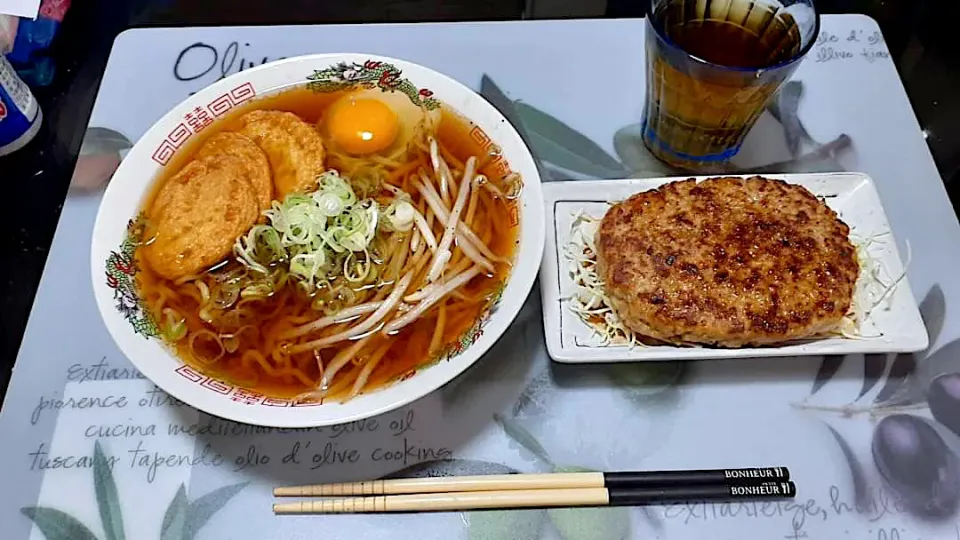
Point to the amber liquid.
(722, 64)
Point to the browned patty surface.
(727, 262)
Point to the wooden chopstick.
(503, 482)
(536, 498)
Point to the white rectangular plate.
(896, 327)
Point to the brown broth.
(290, 307)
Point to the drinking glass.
(712, 68)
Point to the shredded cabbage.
(590, 302)
(308, 233)
(874, 288)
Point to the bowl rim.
(521, 278)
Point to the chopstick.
(504, 482)
(538, 498)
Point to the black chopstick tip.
(744, 476)
(626, 496)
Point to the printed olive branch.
(182, 520)
(572, 523)
(852, 410)
(561, 152)
(905, 387)
(916, 457)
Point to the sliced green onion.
(308, 236)
(204, 291)
(355, 241)
(257, 290)
(400, 215)
(331, 205)
(174, 326)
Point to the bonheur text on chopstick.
(766, 474)
(761, 490)
(537, 498)
(496, 482)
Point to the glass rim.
(793, 59)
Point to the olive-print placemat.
(92, 450)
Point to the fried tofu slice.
(293, 147)
(198, 214)
(255, 164)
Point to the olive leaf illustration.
(874, 366)
(945, 359)
(530, 400)
(628, 143)
(829, 367)
(107, 500)
(784, 109)
(492, 93)
(100, 140)
(908, 377)
(482, 524)
(943, 398)
(551, 151)
(554, 144)
(201, 510)
(508, 358)
(608, 523)
(498, 524)
(561, 152)
(643, 380)
(557, 143)
(555, 174)
(933, 310)
(611, 523)
(184, 519)
(903, 385)
(640, 382)
(175, 517)
(100, 154)
(57, 525)
(181, 521)
(450, 467)
(821, 159)
(858, 477)
(523, 437)
(655, 521)
(898, 388)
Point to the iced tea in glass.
(712, 68)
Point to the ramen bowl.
(119, 232)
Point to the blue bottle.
(20, 115)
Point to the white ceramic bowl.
(113, 273)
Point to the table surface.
(918, 35)
(83, 431)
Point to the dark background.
(920, 34)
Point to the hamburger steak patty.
(727, 262)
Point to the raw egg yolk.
(362, 126)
